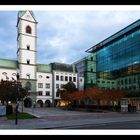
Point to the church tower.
(26, 50)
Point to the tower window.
(28, 76)
(28, 29)
(28, 47)
(28, 61)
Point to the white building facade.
(42, 80)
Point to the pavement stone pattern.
(53, 118)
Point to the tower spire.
(22, 12)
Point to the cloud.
(63, 36)
(67, 34)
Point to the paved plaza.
(53, 118)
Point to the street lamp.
(16, 120)
(17, 103)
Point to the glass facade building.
(86, 68)
(118, 59)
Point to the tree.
(94, 94)
(70, 87)
(11, 91)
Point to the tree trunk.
(98, 103)
(2, 102)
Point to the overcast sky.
(63, 36)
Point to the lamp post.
(16, 120)
(17, 103)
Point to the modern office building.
(118, 59)
(42, 80)
(86, 68)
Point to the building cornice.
(27, 79)
(25, 50)
(28, 64)
(7, 68)
(25, 35)
(25, 20)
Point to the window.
(28, 85)
(70, 78)
(129, 80)
(28, 76)
(62, 85)
(74, 79)
(14, 74)
(28, 47)
(122, 82)
(57, 94)
(39, 93)
(57, 86)
(47, 77)
(4, 73)
(66, 78)
(28, 29)
(47, 93)
(61, 78)
(134, 80)
(57, 77)
(47, 85)
(28, 61)
(81, 80)
(40, 85)
(125, 81)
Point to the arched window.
(28, 29)
(4, 73)
(28, 85)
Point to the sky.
(64, 36)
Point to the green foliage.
(70, 87)
(11, 91)
(20, 116)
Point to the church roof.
(64, 67)
(11, 64)
(21, 13)
(48, 68)
(44, 68)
